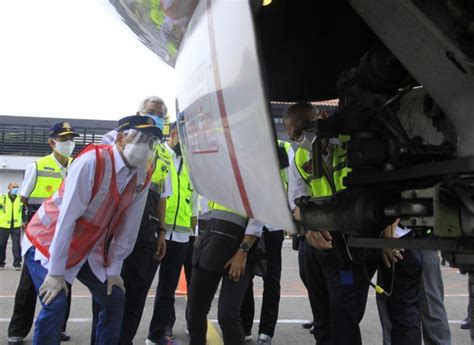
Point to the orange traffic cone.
(182, 288)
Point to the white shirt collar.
(58, 162)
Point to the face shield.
(139, 148)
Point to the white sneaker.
(149, 342)
(248, 337)
(264, 339)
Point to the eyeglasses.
(310, 126)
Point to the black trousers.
(340, 290)
(271, 288)
(400, 313)
(15, 234)
(201, 293)
(188, 270)
(165, 292)
(25, 303)
(302, 251)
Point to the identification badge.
(346, 278)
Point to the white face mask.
(306, 141)
(137, 155)
(64, 148)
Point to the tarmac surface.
(294, 309)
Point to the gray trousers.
(433, 313)
(434, 320)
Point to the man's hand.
(390, 255)
(51, 287)
(160, 247)
(114, 281)
(319, 239)
(237, 265)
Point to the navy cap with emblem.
(143, 124)
(62, 128)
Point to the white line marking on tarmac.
(282, 321)
(256, 296)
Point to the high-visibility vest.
(162, 166)
(48, 179)
(332, 180)
(101, 218)
(284, 172)
(178, 205)
(10, 212)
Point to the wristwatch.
(161, 229)
(244, 247)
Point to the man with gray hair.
(151, 106)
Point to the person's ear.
(120, 140)
(51, 143)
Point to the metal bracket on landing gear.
(443, 244)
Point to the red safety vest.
(102, 216)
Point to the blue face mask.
(14, 191)
(159, 121)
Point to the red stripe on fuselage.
(223, 114)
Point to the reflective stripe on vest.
(48, 179)
(101, 218)
(161, 170)
(10, 211)
(322, 187)
(223, 213)
(229, 217)
(178, 205)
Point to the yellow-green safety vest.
(48, 179)
(162, 168)
(332, 180)
(284, 172)
(178, 205)
(10, 212)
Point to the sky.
(75, 59)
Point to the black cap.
(143, 124)
(60, 129)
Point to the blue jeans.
(110, 314)
(50, 320)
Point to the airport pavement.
(294, 309)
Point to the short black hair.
(297, 107)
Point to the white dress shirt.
(76, 198)
(254, 227)
(29, 179)
(175, 235)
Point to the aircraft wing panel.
(222, 108)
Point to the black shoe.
(17, 268)
(311, 331)
(466, 323)
(65, 336)
(308, 324)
